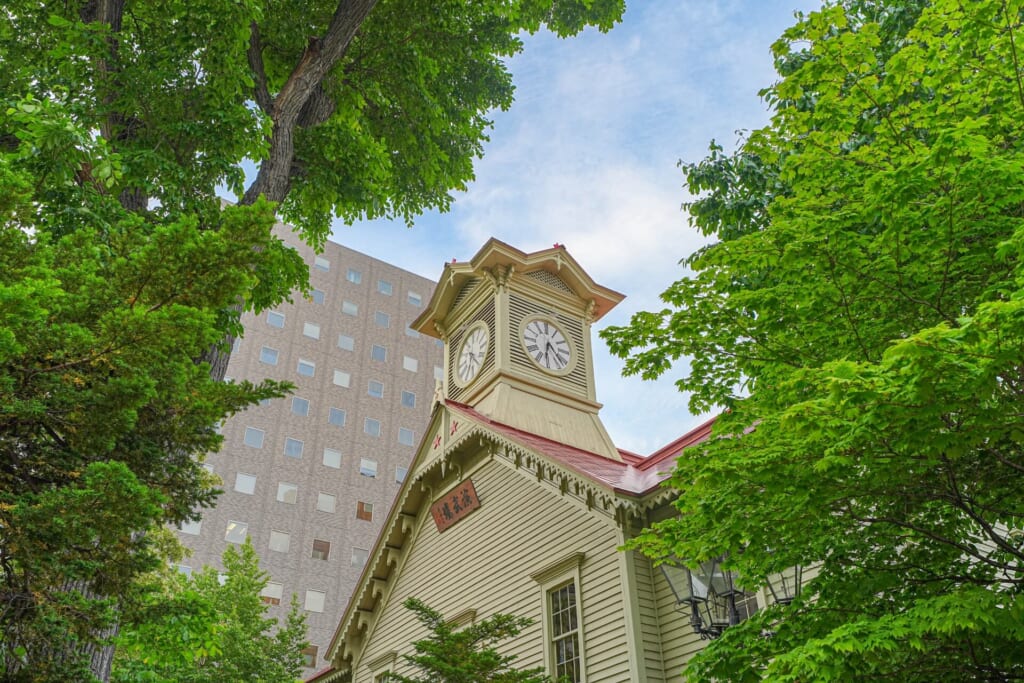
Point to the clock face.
(472, 354)
(547, 345)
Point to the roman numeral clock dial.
(546, 345)
(472, 354)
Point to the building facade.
(309, 478)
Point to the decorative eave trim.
(560, 566)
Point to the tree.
(859, 314)
(465, 655)
(210, 628)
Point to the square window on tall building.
(411, 364)
(332, 458)
(236, 532)
(375, 388)
(300, 406)
(414, 299)
(315, 601)
(384, 287)
(364, 511)
(309, 656)
(321, 549)
(378, 352)
(401, 473)
(280, 541)
(406, 437)
(381, 319)
(275, 319)
(320, 263)
(336, 417)
(325, 502)
(318, 297)
(253, 437)
(354, 276)
(408, 399)
(359, 557)
(306, 368)
(271, 593)
(245, 483)
(346, 343)
(268, 355)
(368, 467)
(311, 330)
(287, 493)
(292, 447)
(342, 379)
(371, 426)
(349, 308)
(191, 528)
(409, 332)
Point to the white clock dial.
(472, 354)
(546, 345)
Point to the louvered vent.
(550, 279)
(486, 313)
(520, 308)
(465, 291)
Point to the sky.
(587, 157)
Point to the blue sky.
(587, 157)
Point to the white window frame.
(273, 316)
(342, 378)
(346, 343)
(320, 263)
(282, 547)
(318, 296)
(367, 421)
(283, 489)
(552, 577)
(321, 502)
(375, 384)
(311, 330)
(411, 364)
(309, 365)
(288, 441)
(300, 406)
(382, 317)
(344, 416)
(354, 276)
(254, 430)
(368, 467)
(249, 479)
(269, 349)
(385, 287)
(315, 599)
(349, 308)
(334, 452)
(232, 524)
(410, 432)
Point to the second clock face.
(472, 354)
(547, 345)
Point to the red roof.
(634, 476)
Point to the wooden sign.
(455, 505)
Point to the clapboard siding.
(650, 627)
(484, 563)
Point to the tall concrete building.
(309, 478)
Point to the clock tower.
(516, 328)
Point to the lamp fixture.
(710, 593)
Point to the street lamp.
(709, 591)
(785, 585)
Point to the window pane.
(401, 473)
(332, 458)
(415, 299)
(253, 437)
(275, 319)
(371, 426)
(272, 593)
(364, 511)
(336, 416)
(408, 399)
(410, 364)
(311, 330)
(406, 436)
(300, 406)
(280, 541)
(342, 378)
(354, 276)
(409, 332)
(381, 319)
(349, 308)
(325, 502)
(236, 532)
(306, 368)
(379, 353)
(287, 493)
(309, 656)
(245, 483)
(360, 556)
(368, 467)
(346, 342)
(320, 263)
(318, 296)
(292, 447)
(384, 287)
(375, 389)
(191, 528)
(268, 355)
(321, 549)
(315, 601)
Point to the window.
(336, 417)
(408, 399)
(268, 355)
(236, 345)
(375, 388)
(438, 373)
(325, 502)
(309, 656)
(354, 276)
(384, 287)
(400, 474)
(245, 483)
(271, 593)
(414, 299)
(318, 297)
(411, 364)
(379, 353)
(280, 541)
(332, 458)
(349, 308)
(315, 601)
(300, 406)
(364, 511)
(564, 634)
(320, 263)
(292, 447)
(360, 556)
(287, 493)
(342, 379)
(275, 319)
(321, 549)
(264, 402)
(406, 436)
(346, 343)
(236, 532)
(409, 332)
(253, 437)
(381, 319)
(184, 569)
(306, 368)
(367, 467)
(191, 528)
(371, 426)
(311, 330)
